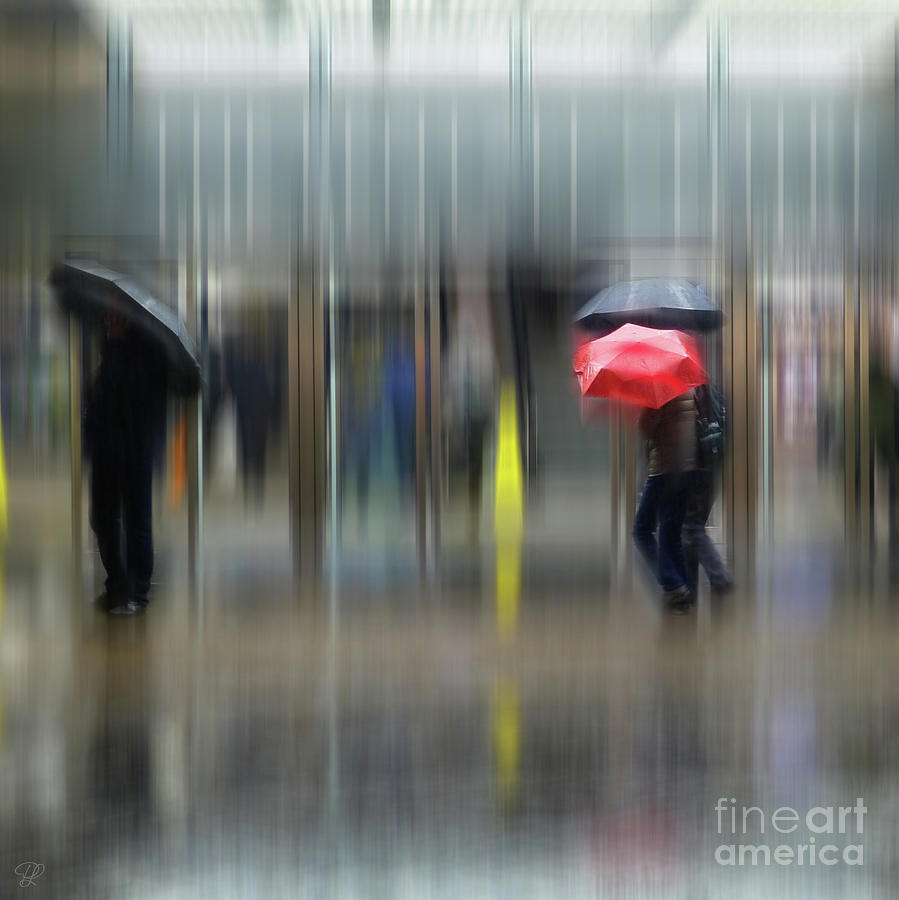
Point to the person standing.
(470, 403)
(360, 409)
(252, 380)
(399, 389)
(670, 434)
(124, 437)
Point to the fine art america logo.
(822, 835)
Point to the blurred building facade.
(321, 189)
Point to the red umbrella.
(640, 365)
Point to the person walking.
(670, 434)
(698, 547)
(124, 437)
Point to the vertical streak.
(195, 429)
(436, 434)
(348, 176)
(831, 163)
(249, 172)
(420, 360)
(196, 177)
(293, 382)
(421, 174)
(536, 178)
(749, 170)
(626, 174)
(182, 259)
(75, 351)
(780, 172)
(387, 178)
(227, 216)
(306, 187)
(677, 169)
(162, 183)
(859, 374)
(454, 173)
(332, 394)
(713, 114)
(856, 175)
(615, 496)
(573, 168)
(766, 397)
(813, 171)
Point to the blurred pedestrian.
(213, 400)
(470, 400)
(698, 547)
(399, 386)
(360, 411)
(124, 437)
(253, 380)
(670, 434)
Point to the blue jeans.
(662, 508)
(698, 547)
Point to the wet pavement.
(252, 742)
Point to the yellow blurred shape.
(508, 586)
(508, 522)
(506, 738)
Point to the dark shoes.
(679, 600)
(107, 601)
(720, 591)
(126, 606)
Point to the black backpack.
(711, 426)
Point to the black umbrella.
(89, 290)
(653, 303)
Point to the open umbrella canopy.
(89, 290)
(639, 365)
(653, 303)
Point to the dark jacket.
(252, 378)
(670, 434)
(126, 404)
